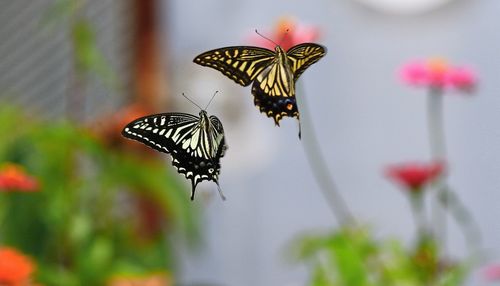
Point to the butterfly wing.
(302, 56)
(274, 91)
(240, 63)
(194, 147)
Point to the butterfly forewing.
(196, 144)
(161, 131)
(240, 63)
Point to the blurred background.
(103, 210)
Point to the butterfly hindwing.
(196, 144)
(274, 92)
(240, 63)
(303, 55)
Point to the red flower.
(414, 176)
(287, 33)
(437, 73)
(14, 178)
(15, 268)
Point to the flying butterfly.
(273, 73)
(196, 143)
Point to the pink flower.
(414, 176)
(414, 73)
(438, 74)
(462, 79)
(287, 33)
(492, 272)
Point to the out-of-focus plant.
(84, 211)
(352, 256)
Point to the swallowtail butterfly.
(273, 73)
(196, 143)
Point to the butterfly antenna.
(191, 100)
(211, 99)
(265, 37)
(220, 192)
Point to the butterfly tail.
(220, 192)
(193, 189)
(300, 130)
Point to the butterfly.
(273, 73)
(196, 143)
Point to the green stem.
(463, 217)
(438, 153)
(417, 208)
(436, 125)
(319, 166)
(447, 200)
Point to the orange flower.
(287, 33)
(14, 178)
(15, 268)
(152, 280)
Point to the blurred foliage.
(353, 257)
(88, 58)
(87, 221)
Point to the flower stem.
(417, 208)
(446, 199)
(318, 164)
(438, 153)
(436, 126)
(463, 217)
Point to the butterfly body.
(196, 144)
(273, 73)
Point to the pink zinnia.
(413, 176)
(287, 33)
(462, 79)
(492, 272)
(438, 74)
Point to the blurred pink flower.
(287, 33)
(438, 74)
(413, 176)
(462, 78)
(492, 272)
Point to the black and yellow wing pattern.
(273, 73)
(196, 144)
